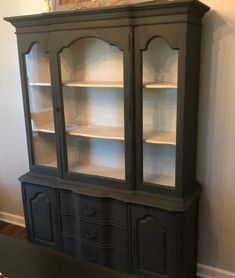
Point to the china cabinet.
(111, 100)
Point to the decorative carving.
(88, 211)
(90, 235)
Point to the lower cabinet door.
(153, 243)
(41, 213)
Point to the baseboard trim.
(205, 271)
(12, 219)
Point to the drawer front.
(104, 234)
(102, 210)
(101, 234)
(109, 257)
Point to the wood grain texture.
(64, 2)
(12, 230)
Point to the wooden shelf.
(49, 128)
(102, 132)
(52, 164)
(163, 85)
(160, 179)
(40, 84)
(43, 121)
(160, 137)
(116, 173)
(94, 84)
(107, 84)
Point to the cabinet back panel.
(92, 59)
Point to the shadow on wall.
(216, 140)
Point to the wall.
(13, 153)
(216, 139)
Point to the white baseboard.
(205, 271)
(12, 218)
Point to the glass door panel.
(93, 94)
(41, 107)
(160, 74)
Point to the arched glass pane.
(41, 107)
(93, 93)
(160, 75)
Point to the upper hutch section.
(111, 93)
(159, 11)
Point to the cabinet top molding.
(182, 11)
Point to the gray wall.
(216, 139)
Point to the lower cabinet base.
(146, 241)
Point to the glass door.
(93, 97)
(41, 107)
(160, 75)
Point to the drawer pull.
(88, 211)
(90, 235)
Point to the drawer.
(109, 257)
(101, 234)
(102, 210)
(104, 234)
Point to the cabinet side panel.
(190, 228)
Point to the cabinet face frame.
(25, 45)
(118, 37)
(175, 36)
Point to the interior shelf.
(94, 84)
(160, 137)
(112, 133)
(160, 179)
(40, 84)
(52, 164)
(103, 132)
(116, 173)
(48, 128)
(107, 84)
(160, 85)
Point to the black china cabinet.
(111, 99)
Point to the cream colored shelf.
(94, 84)
(102, 132)
(52, 164)
(49, 128)
(107, 84)
(160, 137)
(40, 84)
(116, 173)
(160, 179)
(159, 85)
